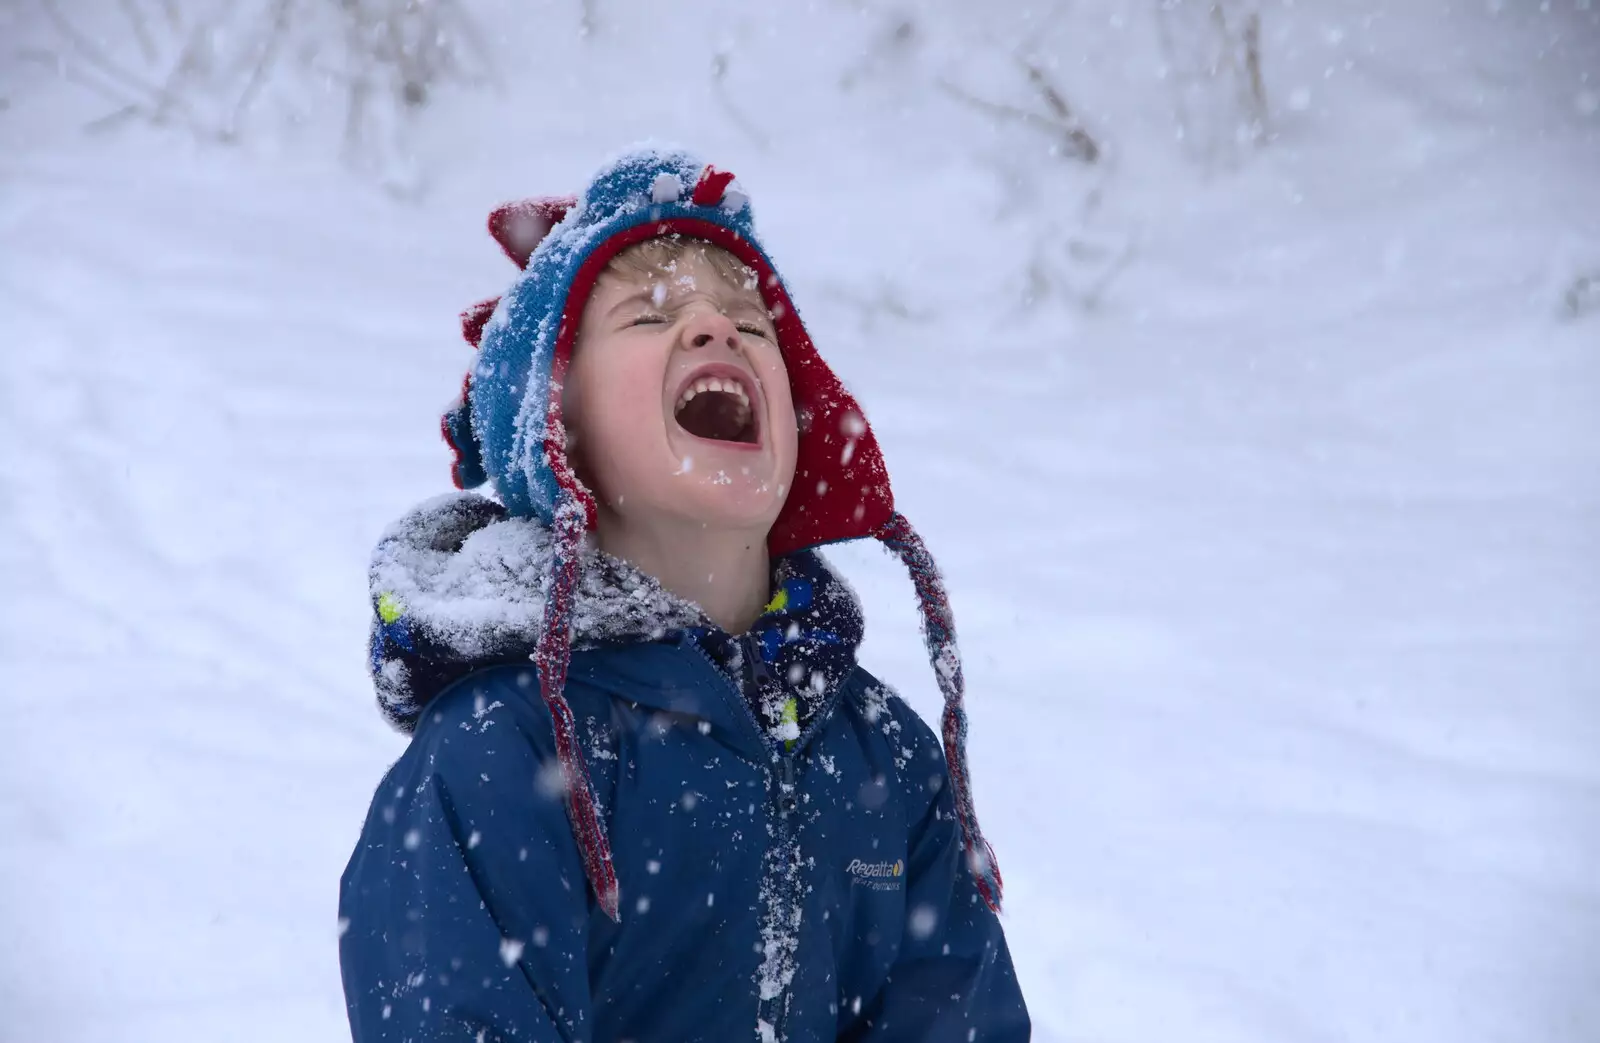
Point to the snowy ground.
(1276, 571)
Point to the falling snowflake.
(924, 918)
(510, 951)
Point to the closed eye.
(753, 328)
(648, 319)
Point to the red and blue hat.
(506, 430)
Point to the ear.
(519, 227)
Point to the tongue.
(716, 415)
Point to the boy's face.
(677, 403)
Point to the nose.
(707, 326)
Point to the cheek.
(785, 433)
(617, 418)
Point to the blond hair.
(659, 257)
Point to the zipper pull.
(754, 661)
(787, 793)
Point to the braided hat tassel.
(553, 657)
(939, 632)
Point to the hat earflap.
(466, 471)
(519, 228)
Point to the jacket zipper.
(771, 745)
(754, 660)
(760, 677)
(771, 1012)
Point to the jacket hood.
(458, 584)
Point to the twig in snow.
(356, 116)
(208, 65)
(141, 31)
(1081, 272)
(1247, 80)
(884, 300)
(191, 59)
(258, 74)
(1169, 54)
(416, 71)
(1070, 124)
(1090, 297)
(1073, 142)
(719, 72)
(154, 102)
(467, 26)
(112, 119)
(1214, 69)
(1252, 65)
(1583, 296)
(893, 41)
(94, 56)
(71, 75)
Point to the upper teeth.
(732, 387)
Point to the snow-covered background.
(1262, 456)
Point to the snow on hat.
(506, 429)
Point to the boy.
(650, 795)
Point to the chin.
(722, 498)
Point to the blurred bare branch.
(885, 48)
(1080, 272)
(1087, 147)
(882, 300)
(112, 119)
(258, 74)
(1073, 141)
(141, 31)
(1214, 66)
(1252, 65)
(94, 57)
(719, 73)
(1583, 295)
(209, 65)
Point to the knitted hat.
(506, 429)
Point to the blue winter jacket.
(803, 891)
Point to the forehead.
(676, 267)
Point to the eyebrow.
(647, 294)
(742, 302)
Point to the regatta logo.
(879, 876)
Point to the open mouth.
(717, 408)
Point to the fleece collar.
(459, 584)
(800, 650)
